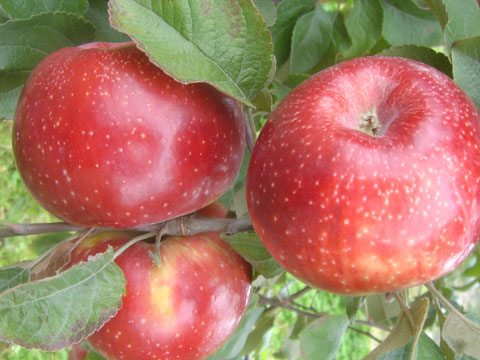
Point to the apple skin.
(353, 212)
(102, 137)
(184, 309)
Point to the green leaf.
(340, 36)
(402, 332)
(234, 345)
(222, 43)
(227, 198)
(45, 242)
(311, 37)
(24, 43)
(76, 303)
(405, 23)
(24, 9)
(250, 247)
(321, 339)
(288, 12)
(12, 276)
(438, 8)
(258, 337)
(364, 25)
(462, 337)
(267, 9)
(463, 21)
(97, 14)
(92, 355)
(425, 349)
(422, 54)
(466, 66)
(352, 306)
(381, 311)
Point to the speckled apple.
(184, 309)
(366, 177)
(103, 137)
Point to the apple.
(184, 309)
(77, 352)
(103, 137)
(366, 177)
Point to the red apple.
(366, 177)
(184, 309)
(103, 137)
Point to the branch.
(185, 225)
(10, 229)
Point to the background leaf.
(15, 9)
(237, 341)
(418, 26)
(311, 37)
(24, 43)
(352, 306)
(267, 9)
(288, 11)
(402, 331)
(251, 248)
(321, 339)
(425, 349)
(466, 66)
(463, 21)
(460, 336)
(97, 14)
(12, 276)
(364, 25)
(76, 303)
(422, 54)
(223, 43)
(438, 8)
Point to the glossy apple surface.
(184, 309)
(102, 137)
(366, 177)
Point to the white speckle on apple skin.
(382, 212)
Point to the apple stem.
(405, 310)
(369, 124)
(450, 307)
(131, 242)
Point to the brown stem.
(373, 324)
(185, 225)
(366, 333)
(283, 304)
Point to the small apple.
(366, 177)
(103, 137)
(184, 309)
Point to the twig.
(185, 225)
(373, 324)
(365, 333)
(11, 229)
(450, 307)
(277, 303)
